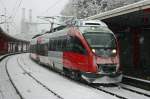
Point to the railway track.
(136, 91)
(120, 91)
(144, 84)
(66, 77)
(57, 95)
(115, 89)
(21, 97)
(111, 93)
(27, 73)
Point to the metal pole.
(5, 25)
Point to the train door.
(58, 60)
(55, 54)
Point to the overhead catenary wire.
(4, 14)
(52, 6)
(13, 25)
(15, 11)
(14, 8)
(5, 10)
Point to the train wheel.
(76, 75)
(66, 72)
(53, 67)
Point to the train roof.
(84, 26)
(94, 29)
(56, 33)
(84, 23)
(45, 37)
(83, 30)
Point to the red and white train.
(87, 50)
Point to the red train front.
(86, 51)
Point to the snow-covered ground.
(27, 87)
(64, 87)
(7, 91)
(36, 82)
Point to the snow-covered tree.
(85, 8)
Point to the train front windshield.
(102, 44)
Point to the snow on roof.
(141, 5)
(91, 23)
(12, 38)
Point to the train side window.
(38, 48)
(50, 44)
(59, 45)
(49, 47)
(54, 45)
(46, 49)
(64, 44)
(78, 46)
(42, 51)
(69, 45)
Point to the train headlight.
(114, 51)
(93, 50)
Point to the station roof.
(8, 37)
(132, 15)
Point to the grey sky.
(39, 8)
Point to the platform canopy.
(8, 37)
(133, 15)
